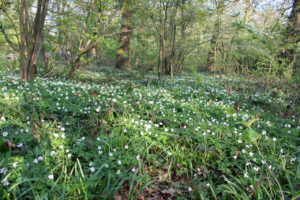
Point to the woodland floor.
(109, 135)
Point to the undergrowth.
(194, 138)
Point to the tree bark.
(293, 37)
(247, 10)
(123, 54)
(295, 20)
(160, 43)
(211, 58)
(165, 59)
(88, 47)
(22, 11)
(180, 47)
(174, 27)
(28, 56)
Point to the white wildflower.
(52, 153)
(256, 168)
(15, 164)
(3, 171)
(5, 134)
(92, 169)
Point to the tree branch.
(7, 39)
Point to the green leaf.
(129, 90)
(199, 79)
(296, 196)
(248, 124)
(253, 136)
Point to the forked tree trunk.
(28, 56)
(123, 54)
(88, 47)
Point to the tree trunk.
(180, 47)
(28, 56)
(123, 55)
(160, 56)
(174, 29)
(160, 43)
(293, 37)
(295, 19)
(211, 58)
(74, 67)
(22, 47)
(165, 60)
(247, 10)
(88, 47)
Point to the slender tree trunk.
(160, 56)
(165, 59)
(22, 11)
(160, 43)
(74, 67)
(211, 59)
(172, 59)
(45, 59)
(247, 11)
(123, 55)
(246, 17)
(180, 49)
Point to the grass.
(120, 137)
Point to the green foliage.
(61, 139)
(110, 134)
